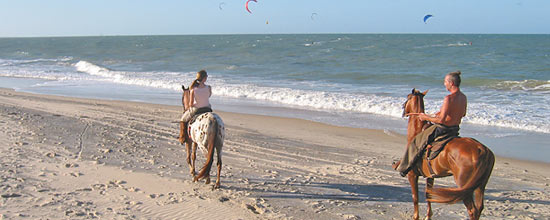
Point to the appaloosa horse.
(469, 161)
(208, 132)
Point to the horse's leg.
(193, 158)
(182, 130)
(472, 211)
(461, 178)
(208, 174)
(429, 184)
(189, 162)
(479, 194)
(219, 163)
(413, 180)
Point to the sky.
(35, 18)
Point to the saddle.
(198, 113)
(438, 145)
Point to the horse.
(207, 131)
(469, 161)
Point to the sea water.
(355, 80)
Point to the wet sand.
(73, 158)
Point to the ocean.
(354, 80)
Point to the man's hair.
(455, 78)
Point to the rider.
(445, 122)
(197, 101)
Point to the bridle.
(419, 101)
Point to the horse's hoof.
(207, 180)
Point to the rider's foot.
(394, 165)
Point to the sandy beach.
(73, 158)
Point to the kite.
(426, 18)
(312, 15)
(220, 6)
(247, 5)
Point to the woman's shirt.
(202, 96)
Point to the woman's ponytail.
(200, 76)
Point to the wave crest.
(524, 85)
(164, 80)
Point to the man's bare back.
(453, 108)
(456, 108)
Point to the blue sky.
(26, 18)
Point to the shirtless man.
(446, 122)
(454, 105)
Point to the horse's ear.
(183, 87)
(425, 92)
(412, 92)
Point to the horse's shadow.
(334, 191)
(512, 200)
(352, 192)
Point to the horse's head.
(414, 103)
(185, 97)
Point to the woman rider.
(197, 101)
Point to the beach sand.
(73, 158)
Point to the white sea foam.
(10, 62)
(458, 44)
(231, 67)
(505, 116)
(481, 113)
(320, 100)
(478, 113)
(33, 75)
(164, 80)
(525, 85)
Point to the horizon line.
(219, 34)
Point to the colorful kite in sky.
(246, 5)
(313, 15)
(426, 18)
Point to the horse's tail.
(205, 171)
(481, 174)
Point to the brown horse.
(206, 132)
(469, 161)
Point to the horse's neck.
(414, 127)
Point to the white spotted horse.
(206, 131)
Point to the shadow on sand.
(352, 192)
(335, 191)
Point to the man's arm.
(439, 117)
